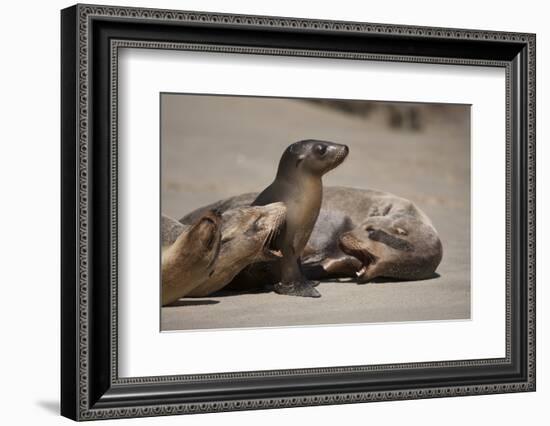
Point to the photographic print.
(300, 211)
(296, 190)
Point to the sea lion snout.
(346, 150)
(324, 156)
(350, 244)
(341, 152)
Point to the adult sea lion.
(247, 237)
(298, 184)
(360, 233)
(203, 257)
(375, 234)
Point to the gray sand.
(216, 147)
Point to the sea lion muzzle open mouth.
(367, 259)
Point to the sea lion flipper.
(332, 266)
(297, 288)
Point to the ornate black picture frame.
(91, 36)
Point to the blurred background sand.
(219, 146)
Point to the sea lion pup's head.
(311, 156)
(401, 247)
(249, 232)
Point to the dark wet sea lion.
(298, 184)
(188, 254)
(359, 233)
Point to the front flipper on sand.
(297, 288)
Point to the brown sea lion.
(394, 239)
(248, 234)
(360, 233)
(201, 258)
(298, 184)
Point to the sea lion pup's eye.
(369, 229)
(320, 149)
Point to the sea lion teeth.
(277, 253)
(272, 254)
(362, 271)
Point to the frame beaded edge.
(87, 11)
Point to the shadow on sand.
(348, 280)
(382, 280)
(192, 302)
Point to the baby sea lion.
(188, 254)
(299, 186)
(360, 233)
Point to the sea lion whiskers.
(272, 235)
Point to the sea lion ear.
(300, 159)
